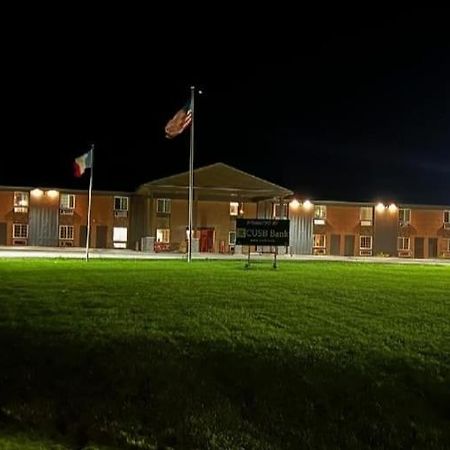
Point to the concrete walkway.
(79, 253)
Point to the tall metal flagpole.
(191, 175)
(88, 234)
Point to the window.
(447, 216)
(320, 212)
(234, 208)
(232, 238)
(120, 203)
(404, 216)
(366, 215)
(66, 232)
(20, 230)
(67, 201)
(280, 210)
(448, 246)
(120, 237)
(319, 241)
(403, 243)
(365, 242)
(163, 235)
(163, 205)
(21, 201)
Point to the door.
(83, 235)
(349, 249)
(43, 224)
(432, 247)
(335, 244)
(206, 239)
(101, 236)
(419, 247)
(2, 233)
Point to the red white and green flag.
(82, 163)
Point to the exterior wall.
(427, 224)
(102, 214)
(178, 223)
(301, 231)
(77, 219)
(207, 214)
(7, 214)
(343, 221)
(137, 221)
(386, 232)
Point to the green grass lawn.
(162, 354)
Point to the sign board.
(262, 232)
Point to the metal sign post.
(270, 232)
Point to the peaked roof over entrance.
(216, 181)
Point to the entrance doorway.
(206, 239)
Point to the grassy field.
(162, 354)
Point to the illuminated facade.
(154, 218)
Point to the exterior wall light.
(37, 193)
(52, 193)
(307, 204)
(294, 204)
(380, 207)
(392, 208)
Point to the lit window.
(20, 230)
(232, 238)
(120, 237)
(320, 212)
(163, 205)
(66, 232)
(234, 208)
(365, 242)
(21, 201)
(319, 241)
(447, 216)
(280, 210)
(366, 215)
(120, 203)
(404, 216)
(163, 235)
(67, 201)
(403, 243)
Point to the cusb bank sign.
(262, 232)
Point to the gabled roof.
(216, 179)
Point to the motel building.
(154, 218)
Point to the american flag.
(179, 122)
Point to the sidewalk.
(95, 253)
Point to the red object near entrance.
(206, 239)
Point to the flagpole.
(191, 175)
(88, 234)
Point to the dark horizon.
(332, 109)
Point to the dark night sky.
(331, 107)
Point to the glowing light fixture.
(294, 204)
(392, 208)
(37, 193)
(380, 207)
(52, 193)
(307, 204)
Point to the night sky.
(340, 107)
